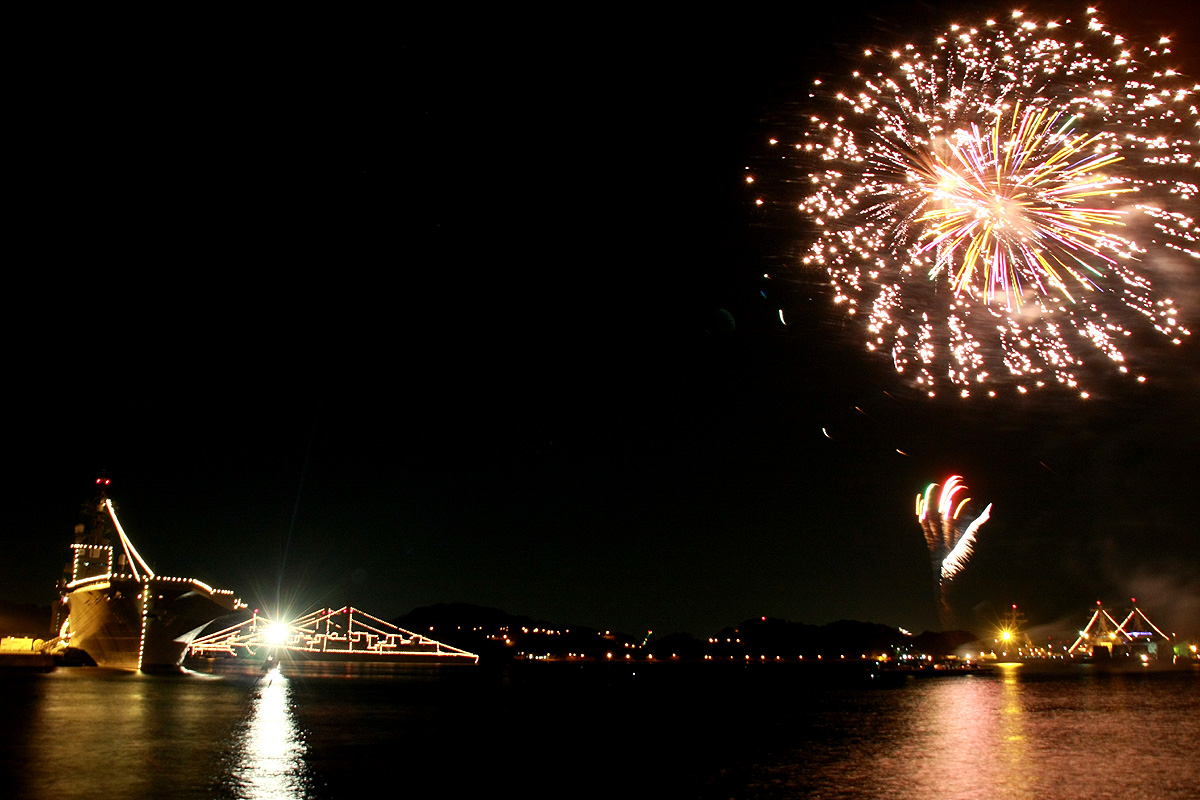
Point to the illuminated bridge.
(346, 634)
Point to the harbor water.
(588, 730)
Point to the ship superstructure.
(1105, 638)
(115, 608)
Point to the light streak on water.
(271, 763)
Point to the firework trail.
(990, 201)
(950, 544)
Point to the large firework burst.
(989, 201)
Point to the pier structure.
(344, 634)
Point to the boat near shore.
(23, 654)
(327, 641)
(120, 613)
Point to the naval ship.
(116, 609)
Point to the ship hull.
(126, 623)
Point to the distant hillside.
(492, 633)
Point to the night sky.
(472, 309)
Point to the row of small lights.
(629, 645)
(157, 578)
(748, 657)
(650, 657)
(145, 615)
(546, 631)
(75, 562)
(505, 629)
(1032, 651)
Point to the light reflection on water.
(270, 764)
(952, 722)
(89, 733)
(701, 732)
(1008, 735)
(1013, 757)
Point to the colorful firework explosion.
(950, 543)
(987, 203)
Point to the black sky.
(478, 303)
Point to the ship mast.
(94, 549)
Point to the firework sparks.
(950, 543)
(989, 201)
